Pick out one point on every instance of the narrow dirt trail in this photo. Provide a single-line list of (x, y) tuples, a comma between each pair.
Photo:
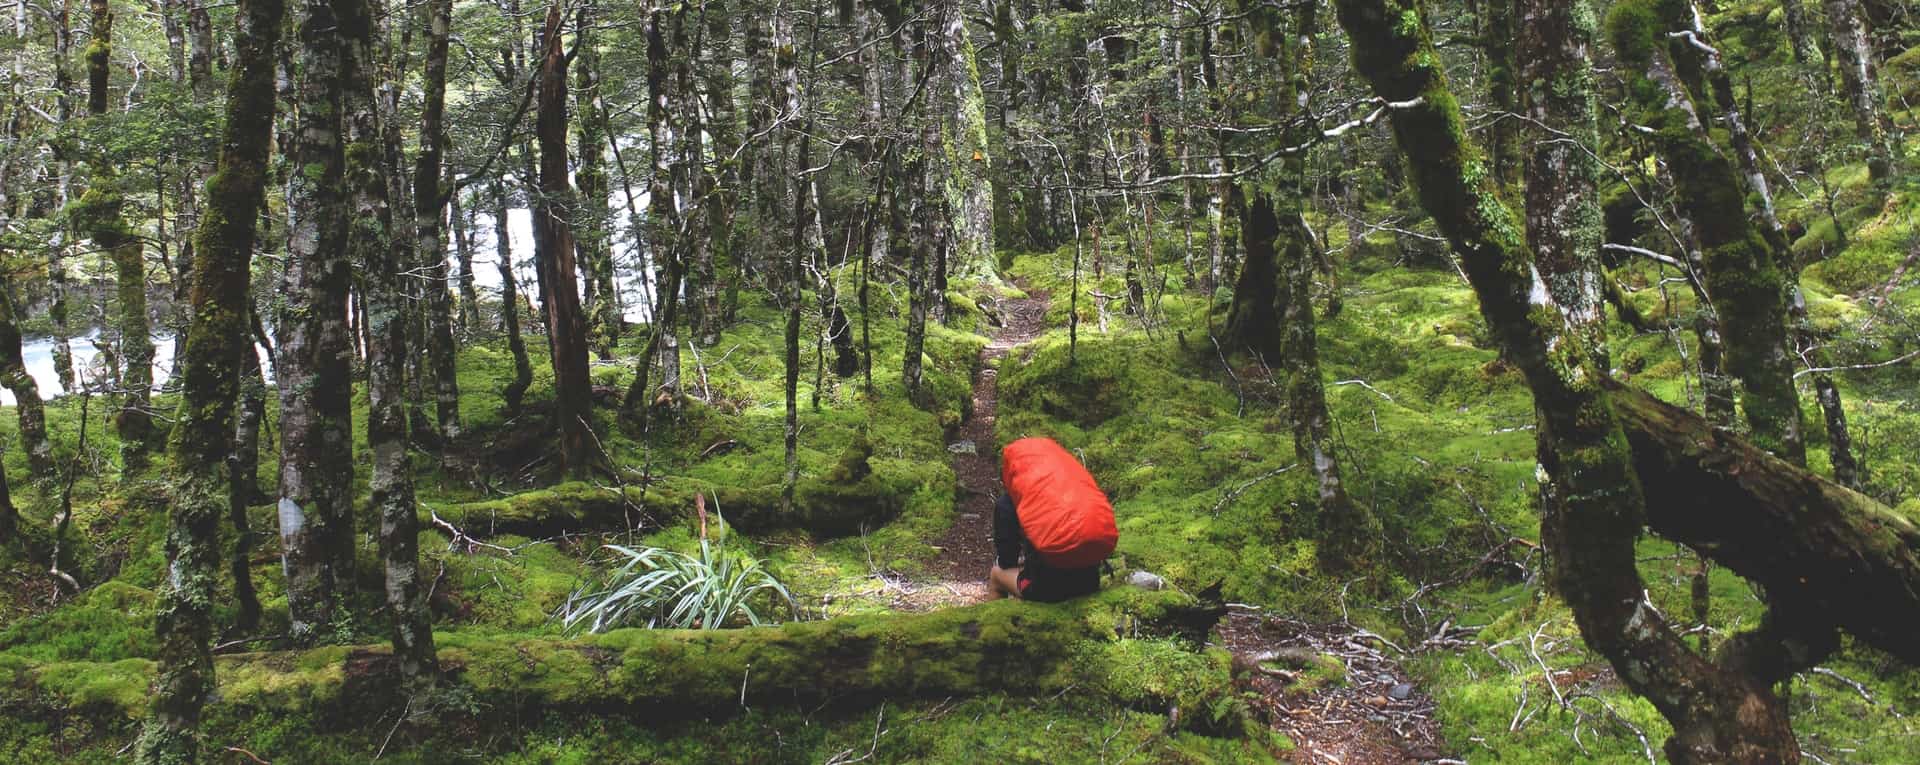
[(966, 549)]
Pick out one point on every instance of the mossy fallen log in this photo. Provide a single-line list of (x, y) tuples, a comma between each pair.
[(823, 508), (1127, 646), (1833, 554)]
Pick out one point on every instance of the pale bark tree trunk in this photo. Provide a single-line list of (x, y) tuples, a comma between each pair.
[(203, 436), (314, 366), (381, 259), (1860, 82), (553, 233), (1564, 226)]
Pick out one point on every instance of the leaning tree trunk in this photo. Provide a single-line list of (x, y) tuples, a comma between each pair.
[(381, 264), (101, 215), (203, 434), (26, 394), (560, 295), (314, 366), (1597, 507), (430, 193), (1860, 82)]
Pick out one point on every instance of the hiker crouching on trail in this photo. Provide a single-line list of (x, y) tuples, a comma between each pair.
[(1055, 514)]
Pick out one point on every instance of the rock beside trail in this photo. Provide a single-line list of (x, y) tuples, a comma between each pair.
[(963, 447), (1147, 581)]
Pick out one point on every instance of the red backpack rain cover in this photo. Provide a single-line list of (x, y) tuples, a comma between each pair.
[(1062, 511)]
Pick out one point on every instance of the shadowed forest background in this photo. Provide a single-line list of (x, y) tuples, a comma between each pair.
[(1473, 380)]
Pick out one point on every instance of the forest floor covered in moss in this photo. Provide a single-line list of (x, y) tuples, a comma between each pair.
[(1451, 649)]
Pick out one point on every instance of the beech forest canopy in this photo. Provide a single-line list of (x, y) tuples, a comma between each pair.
[(456, 380)]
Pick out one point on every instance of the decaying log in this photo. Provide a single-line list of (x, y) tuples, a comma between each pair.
[(1833, 553), (1010, 647)]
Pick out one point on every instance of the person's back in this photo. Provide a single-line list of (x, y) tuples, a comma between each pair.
[(1053, 528)]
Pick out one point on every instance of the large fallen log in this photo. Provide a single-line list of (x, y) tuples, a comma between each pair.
[(1005, 647), (822, 508), (1835, 555)]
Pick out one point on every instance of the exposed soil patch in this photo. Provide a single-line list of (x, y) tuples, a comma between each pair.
[(1369, 714), (966, 550)]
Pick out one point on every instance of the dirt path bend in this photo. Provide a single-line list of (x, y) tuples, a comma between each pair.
[(966, 550)]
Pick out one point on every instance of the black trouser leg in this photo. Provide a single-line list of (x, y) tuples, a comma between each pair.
[(1007, 537)]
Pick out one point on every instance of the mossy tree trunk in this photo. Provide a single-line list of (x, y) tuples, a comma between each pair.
[(430, 194), (1597, 508), (26, 393), (102, 217), (1860, 84), (203, 433), (1506, 148), (314, 365), (969, 182), (58, 249), (1744, 271), (596, 243), (388, 314), (553, 234), (1564, 226)]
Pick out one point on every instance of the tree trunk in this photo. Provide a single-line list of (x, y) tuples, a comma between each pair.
[(1564, 227), (1253, 318), (969, 184), (56, 255), (1597, 506), (596, 248), (314, 368), (244, 477), (1860, 82), (1743, 271), (516, 388), (381, 261), (1838, 557), (553, 235), (26, 394), (705, 313), (798, 146), (203, 435), (429, 204), (460, 219), (101, 216)]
